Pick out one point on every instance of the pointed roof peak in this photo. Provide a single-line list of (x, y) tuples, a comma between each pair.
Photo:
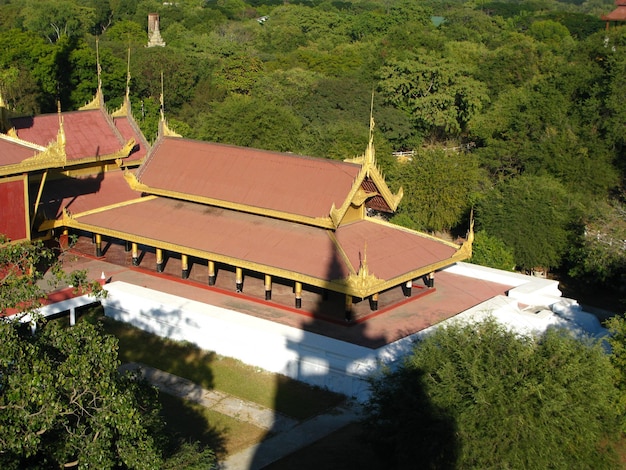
[(368, 159), (164, 129), (61, 134), (370, 153), (98, 100)]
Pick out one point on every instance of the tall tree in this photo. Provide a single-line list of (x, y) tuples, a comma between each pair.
[(481, 396), (439, 187), (62, 400), (617, 340), (532, 215), (438, 94), (246, 121), (54, 19)]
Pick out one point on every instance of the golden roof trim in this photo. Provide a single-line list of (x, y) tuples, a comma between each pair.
[(71, 222), (48, 157), (123, 110), (371, 170), (321, 222), (361, 283)]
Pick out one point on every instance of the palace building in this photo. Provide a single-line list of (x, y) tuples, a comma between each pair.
[(309, 223), (282, 261)]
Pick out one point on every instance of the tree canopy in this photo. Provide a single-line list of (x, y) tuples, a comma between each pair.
[(481, 396), (63, 401)]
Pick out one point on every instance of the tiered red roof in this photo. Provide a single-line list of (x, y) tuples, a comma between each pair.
[(13, 151), (619, 14), (89, 133), (255, 178)]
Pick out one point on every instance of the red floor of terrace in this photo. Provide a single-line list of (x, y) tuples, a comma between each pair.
[(397, 316)]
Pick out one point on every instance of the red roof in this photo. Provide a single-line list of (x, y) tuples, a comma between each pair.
[(129, 131), (12, 152), (83, 194), (619, 14), (275, 243), (88, 133), (258, 178), (391, 251)]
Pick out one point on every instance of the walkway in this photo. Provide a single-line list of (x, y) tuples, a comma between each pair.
[(291, 435)]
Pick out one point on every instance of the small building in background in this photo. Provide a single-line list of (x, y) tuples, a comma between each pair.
[(154, 33), (617, 15)]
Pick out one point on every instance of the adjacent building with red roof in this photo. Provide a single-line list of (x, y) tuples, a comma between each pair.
[(619, 14), (307, 222), (65, 149)]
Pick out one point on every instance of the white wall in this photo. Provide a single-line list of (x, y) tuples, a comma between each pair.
[(308, 357), (311, 358)]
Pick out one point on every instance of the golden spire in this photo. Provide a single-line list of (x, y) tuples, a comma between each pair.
[(128, 75), (363, 267), (99, 69), (370, 153), (4, 114), (124, 110), (164, 129), (98, 99), (161, 99), (61, 133)]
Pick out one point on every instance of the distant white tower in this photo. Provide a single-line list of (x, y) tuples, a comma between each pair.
[(154, 34)]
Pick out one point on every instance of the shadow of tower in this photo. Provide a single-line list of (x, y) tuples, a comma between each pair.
[(347, 446)]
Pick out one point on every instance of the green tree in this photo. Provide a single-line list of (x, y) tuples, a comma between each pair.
[(533, 215), (599, 257), (62, 400), (22, 269), (30, 55), (439, 187), (246, 121), (491, 252), (481, 396), (617, 340), (161, 68), (438, 94), (54, 19)]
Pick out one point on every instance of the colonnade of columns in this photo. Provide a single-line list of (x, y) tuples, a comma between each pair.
[(133, 248)]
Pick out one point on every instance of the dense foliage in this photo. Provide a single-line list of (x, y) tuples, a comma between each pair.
[(480, 396), (63, 401), (521, 93), (617, 340)]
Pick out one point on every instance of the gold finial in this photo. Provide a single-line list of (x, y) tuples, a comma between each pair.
[(372, 119), (4, 115), (61, 133), (363, 270), (128, 75), (99, 68), (161, 99), (370, 152)]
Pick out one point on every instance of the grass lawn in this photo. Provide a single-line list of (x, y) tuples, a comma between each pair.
[(191, 422), (292, 398)]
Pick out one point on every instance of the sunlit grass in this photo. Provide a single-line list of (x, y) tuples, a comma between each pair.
[(225, 374), (192, 422)]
